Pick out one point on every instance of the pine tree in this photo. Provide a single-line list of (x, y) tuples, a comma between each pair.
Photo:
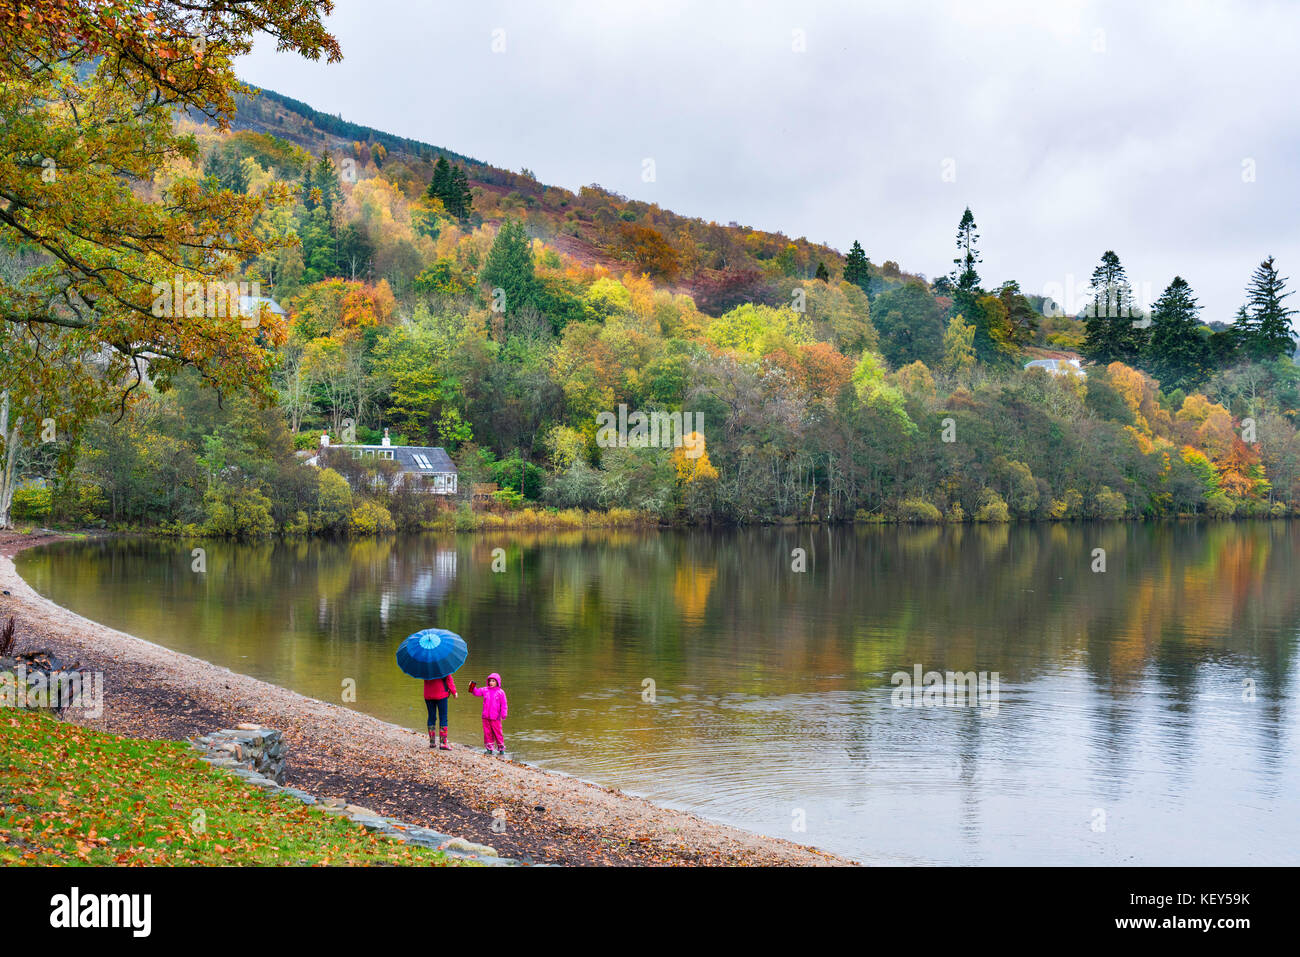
[(1176, 353), (966, 291), (964, 276), (1268, 333), (321, 186), (441, 178), (822, 273), (857, 267), (450, 184), (1111, 335), (509, 268), (459, 199)]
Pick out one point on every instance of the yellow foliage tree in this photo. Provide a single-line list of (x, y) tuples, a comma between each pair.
[(691, 459)]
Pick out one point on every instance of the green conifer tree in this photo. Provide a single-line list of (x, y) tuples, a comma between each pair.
[(508, 270), (1111, 334), (1268, 333), (857, 267), (1177, 352)]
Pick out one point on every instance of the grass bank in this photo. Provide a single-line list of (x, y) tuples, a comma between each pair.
[(70, 795)]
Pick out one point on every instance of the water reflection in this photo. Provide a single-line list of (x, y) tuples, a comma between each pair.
[(1146, 713)]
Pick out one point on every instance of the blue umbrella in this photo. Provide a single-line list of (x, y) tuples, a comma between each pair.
[(432, 653)]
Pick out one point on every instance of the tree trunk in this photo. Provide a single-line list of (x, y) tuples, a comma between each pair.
[(10, 437)]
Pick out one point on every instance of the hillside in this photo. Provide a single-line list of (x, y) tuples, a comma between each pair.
[(718, 265)]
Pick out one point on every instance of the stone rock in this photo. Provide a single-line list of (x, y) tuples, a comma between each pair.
[(462, 846)]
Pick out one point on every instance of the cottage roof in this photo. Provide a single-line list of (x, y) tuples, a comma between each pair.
[(426, 459)]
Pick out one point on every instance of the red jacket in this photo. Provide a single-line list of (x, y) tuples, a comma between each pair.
[(436, 689)]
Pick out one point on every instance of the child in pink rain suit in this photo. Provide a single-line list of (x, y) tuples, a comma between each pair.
[(495, 708)]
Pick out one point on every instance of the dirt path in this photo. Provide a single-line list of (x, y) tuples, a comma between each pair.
[(154, 692)]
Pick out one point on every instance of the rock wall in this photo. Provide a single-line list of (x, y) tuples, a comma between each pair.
[(248, 746)]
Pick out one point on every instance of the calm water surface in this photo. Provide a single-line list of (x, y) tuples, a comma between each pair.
[(1145, 715)]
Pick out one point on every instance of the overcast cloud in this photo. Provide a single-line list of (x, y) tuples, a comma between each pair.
[(1073, 127)]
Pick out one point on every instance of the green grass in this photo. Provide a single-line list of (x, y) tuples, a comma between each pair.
[(70, 795)]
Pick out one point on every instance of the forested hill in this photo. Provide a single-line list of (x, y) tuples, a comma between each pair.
[(719, 266)]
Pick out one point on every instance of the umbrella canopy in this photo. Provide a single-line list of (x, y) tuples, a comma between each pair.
[(432, 653)]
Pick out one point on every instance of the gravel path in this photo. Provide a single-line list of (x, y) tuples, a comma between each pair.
[(154, 692)]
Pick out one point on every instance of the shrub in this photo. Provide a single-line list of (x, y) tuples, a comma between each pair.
[(32, 502), (464, 518), (956, 514), (1109, 504), (992, 508), (371, 518), (333, 502), (237, 512), (509, 497), (1070, 505), (918, 510), (1219, 505), (1255, 508)]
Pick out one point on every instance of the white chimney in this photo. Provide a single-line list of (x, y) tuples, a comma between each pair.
[(386, 441), (324, 440)]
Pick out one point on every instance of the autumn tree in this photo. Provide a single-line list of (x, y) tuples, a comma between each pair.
[(1022, 317), (648, 250), (93, 186), (958, 346)]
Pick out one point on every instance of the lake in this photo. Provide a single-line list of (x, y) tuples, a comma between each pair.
[(1144, 714)]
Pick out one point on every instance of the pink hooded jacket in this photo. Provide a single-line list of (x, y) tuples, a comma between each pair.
[(495, 706)]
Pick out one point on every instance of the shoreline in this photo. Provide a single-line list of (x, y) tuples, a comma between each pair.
[(151, 691)]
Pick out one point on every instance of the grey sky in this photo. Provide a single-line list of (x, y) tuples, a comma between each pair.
[(1073, 127)]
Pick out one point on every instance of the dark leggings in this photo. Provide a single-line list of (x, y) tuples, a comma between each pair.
[(437, 709)]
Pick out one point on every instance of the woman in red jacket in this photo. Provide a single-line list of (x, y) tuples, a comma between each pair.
[(436, 693)]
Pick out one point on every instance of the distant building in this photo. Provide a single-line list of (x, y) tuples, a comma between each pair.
[(422, 467), (1058, 366)]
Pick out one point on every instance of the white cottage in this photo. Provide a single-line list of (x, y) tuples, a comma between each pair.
[(423, 467)]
